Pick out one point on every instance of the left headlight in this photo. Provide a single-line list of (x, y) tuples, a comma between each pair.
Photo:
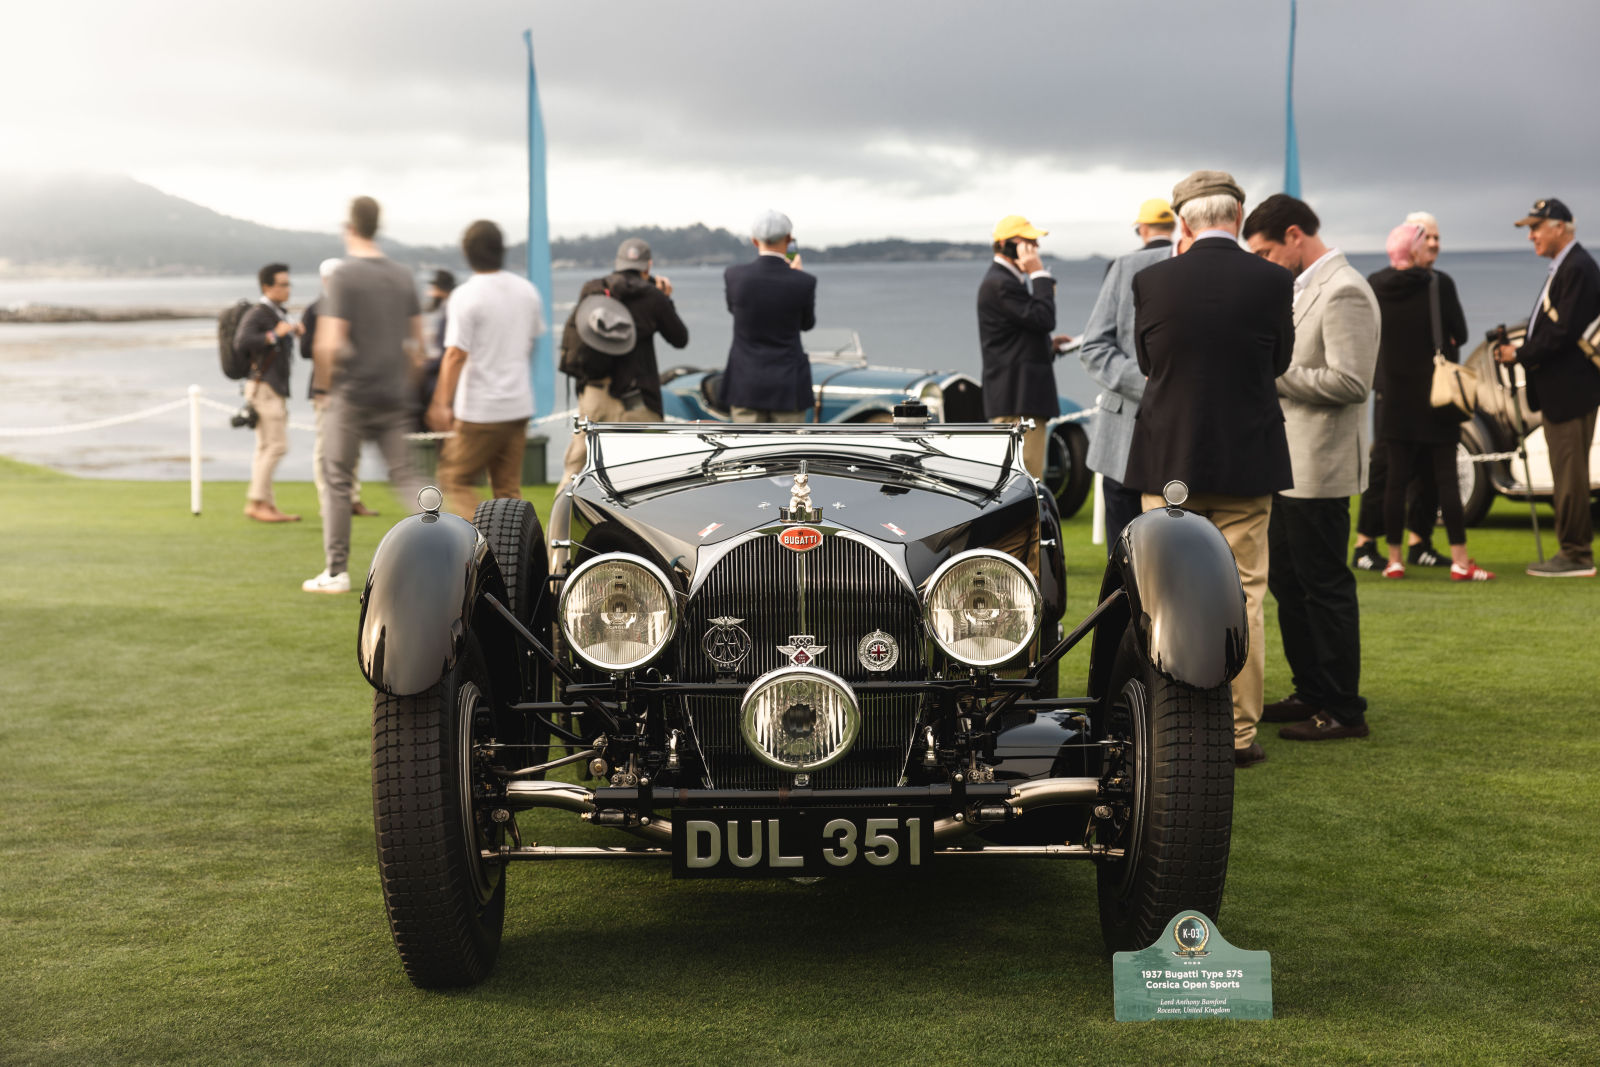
[(618, 612), (982, 607)]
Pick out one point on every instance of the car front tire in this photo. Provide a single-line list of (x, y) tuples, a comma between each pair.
[(1176, 819), (446, 904)]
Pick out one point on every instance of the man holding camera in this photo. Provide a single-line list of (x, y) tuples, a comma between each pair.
[(266, 334), (629, 389), (773, 301), (1562, 383), (1016, 316)]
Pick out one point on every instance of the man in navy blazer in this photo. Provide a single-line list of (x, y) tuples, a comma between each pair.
[(773, 300), (1213, 329), (1016, 317), (1563, 384)]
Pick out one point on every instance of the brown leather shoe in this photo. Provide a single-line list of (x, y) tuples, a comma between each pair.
[(267, 513), (361, 511), (1322, 727), (1290, 709), (1250, 755)]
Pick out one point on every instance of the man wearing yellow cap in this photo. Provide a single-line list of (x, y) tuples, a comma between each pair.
[(1016, 314), (1155, 223)]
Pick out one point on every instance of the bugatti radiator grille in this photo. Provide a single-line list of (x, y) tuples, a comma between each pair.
[(838, 592)]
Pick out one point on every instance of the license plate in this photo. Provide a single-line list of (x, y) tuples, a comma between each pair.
[(799, 842)]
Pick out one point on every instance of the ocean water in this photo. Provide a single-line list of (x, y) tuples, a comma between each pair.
[(918, 315)]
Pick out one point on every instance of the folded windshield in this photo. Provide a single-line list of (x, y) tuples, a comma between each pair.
[(631, 458)]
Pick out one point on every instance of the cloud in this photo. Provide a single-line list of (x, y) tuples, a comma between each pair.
[(927, 115)]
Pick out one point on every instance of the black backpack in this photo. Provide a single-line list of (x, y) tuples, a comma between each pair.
[(235, 364)]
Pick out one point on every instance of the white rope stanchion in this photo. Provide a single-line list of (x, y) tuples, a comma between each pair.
[(1097, 527)]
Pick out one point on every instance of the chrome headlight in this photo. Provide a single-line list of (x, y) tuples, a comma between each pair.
[(932, 395), (982, 607), (799, 718), (618, 612)]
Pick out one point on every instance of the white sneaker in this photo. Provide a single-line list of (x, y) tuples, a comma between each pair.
[(327, 583)]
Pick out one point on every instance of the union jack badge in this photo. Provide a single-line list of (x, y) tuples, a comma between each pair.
[(878, 651)]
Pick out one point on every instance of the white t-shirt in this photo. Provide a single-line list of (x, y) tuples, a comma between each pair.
[(495, 319)]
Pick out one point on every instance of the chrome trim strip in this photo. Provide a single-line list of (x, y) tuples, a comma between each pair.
[(618, 852)]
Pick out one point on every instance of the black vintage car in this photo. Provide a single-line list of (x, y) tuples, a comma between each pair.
[(778, 651)]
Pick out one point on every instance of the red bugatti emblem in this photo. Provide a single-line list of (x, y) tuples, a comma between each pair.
[(800, 538)]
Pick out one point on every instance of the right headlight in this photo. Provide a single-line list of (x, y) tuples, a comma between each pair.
[(617, 612), (982, 607)]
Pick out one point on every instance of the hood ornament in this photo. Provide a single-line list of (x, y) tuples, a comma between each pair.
[(800, 509)]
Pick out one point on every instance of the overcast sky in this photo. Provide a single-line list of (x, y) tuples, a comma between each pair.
[(860, 119)]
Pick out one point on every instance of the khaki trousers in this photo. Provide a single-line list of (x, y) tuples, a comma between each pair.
[(1033, 442), (597, 404), (272, 438), (495, 447), (319, 404), (1243, 521)]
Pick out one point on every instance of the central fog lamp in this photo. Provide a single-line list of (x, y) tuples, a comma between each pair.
[(799, 718)]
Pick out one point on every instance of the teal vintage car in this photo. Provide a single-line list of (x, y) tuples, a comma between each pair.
[(847, 389)]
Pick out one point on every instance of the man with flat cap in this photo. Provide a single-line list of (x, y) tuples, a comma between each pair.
[(624, 383), (1016, 317), (1213, 329), (773, 300), (1562, 383), (1107, 355)]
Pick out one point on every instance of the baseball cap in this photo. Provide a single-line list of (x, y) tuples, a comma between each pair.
[(1546, 209), (1154, 212), (633, 254), (1013, 226), (771, 225)]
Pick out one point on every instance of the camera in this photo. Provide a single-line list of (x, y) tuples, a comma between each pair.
[(245, 416), (1498, 336)]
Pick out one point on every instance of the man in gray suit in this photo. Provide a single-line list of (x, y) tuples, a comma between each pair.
[(1108, 356), (1324, 399)]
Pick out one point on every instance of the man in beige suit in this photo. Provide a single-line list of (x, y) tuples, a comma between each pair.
[(1324, 399)]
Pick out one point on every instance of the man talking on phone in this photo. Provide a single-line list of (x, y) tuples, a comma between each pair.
[(1016, 315)]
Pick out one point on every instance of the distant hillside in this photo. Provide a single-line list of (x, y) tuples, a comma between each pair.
[(114, 225), (94, 225)]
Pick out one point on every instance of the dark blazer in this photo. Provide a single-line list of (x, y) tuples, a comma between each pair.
[(1213, 329), (1014, 329), (653, 311), (270, 361), (1403, 385), (1562, 382), (771, 303)]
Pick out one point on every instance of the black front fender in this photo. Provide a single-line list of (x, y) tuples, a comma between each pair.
[(425, 576), (1185, 604)]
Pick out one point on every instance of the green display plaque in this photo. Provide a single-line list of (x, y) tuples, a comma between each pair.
[(1191, 972)]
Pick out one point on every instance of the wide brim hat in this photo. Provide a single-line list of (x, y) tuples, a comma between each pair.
[(606, 325)]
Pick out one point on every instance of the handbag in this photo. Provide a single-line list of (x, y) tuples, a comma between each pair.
[(1453, 385)]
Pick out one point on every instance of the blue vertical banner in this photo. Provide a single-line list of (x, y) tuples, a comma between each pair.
[(544, 362), (1291, 144)]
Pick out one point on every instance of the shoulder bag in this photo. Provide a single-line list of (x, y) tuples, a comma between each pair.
[(1453, 385)]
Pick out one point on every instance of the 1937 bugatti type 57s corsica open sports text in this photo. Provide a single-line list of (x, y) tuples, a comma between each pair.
[(778, 651)]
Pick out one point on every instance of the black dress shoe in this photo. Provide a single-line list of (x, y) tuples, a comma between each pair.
[(1250, 755), (1290, 709), (1320, 727)]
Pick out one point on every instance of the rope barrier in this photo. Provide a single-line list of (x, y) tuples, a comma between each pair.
[(98, 424)]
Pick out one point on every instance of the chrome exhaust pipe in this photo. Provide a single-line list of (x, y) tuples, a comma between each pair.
[(1026, 797), (569, 796)]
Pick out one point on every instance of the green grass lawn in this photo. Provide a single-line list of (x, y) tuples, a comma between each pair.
[(187, 868)]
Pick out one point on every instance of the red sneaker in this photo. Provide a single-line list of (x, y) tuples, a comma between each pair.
[(1395, 570), (1470, 573)]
